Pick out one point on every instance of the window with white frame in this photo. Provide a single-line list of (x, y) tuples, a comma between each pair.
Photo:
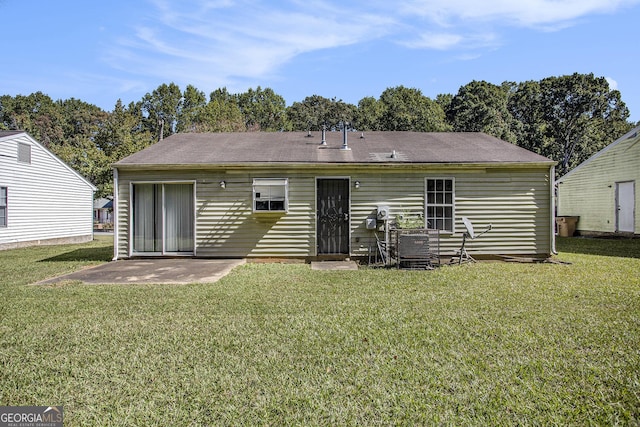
[(270, 194), (3, 206), (440, 205), (24, 153)]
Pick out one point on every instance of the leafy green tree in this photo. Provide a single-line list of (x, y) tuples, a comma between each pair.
[(190, 117), (482, 107), (81, 124), (68, 128), (343, 113), (81, 153), (36, 114), (81, 118), (571, 118), (121, 135), (444, 101), (222, 113), (263, 110), (223, 94), (528, 126), (162, 108), (407, 109), (306, 116), (368, 114), (315, 111)]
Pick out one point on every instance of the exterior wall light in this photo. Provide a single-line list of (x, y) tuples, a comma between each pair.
[(223, 185), (357, 184)]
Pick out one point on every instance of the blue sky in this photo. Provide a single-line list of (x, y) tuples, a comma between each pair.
[(100, 52)]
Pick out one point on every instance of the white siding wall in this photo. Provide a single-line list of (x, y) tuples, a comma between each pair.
[(515, 201), (590, 192), (46, 200)]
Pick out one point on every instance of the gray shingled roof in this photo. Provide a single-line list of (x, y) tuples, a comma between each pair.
[(102, 203), (298, 147), (5, 133)]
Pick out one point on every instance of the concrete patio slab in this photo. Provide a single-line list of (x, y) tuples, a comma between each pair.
[(156, 271)]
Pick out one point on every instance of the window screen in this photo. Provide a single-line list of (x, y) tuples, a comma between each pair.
[(3, 206), (270, 194), (440, 203)]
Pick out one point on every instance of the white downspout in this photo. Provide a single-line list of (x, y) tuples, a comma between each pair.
[(552, 180), (115, 214), (93, 232)]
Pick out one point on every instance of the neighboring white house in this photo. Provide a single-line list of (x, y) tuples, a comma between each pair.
[(102, 211), (42, 199), (603, 190)]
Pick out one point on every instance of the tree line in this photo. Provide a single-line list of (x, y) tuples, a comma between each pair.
[(566, 118)]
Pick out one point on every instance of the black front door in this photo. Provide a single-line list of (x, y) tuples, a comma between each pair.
[(333, 216)]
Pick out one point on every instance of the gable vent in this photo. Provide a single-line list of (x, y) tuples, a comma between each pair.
[(24, 153)]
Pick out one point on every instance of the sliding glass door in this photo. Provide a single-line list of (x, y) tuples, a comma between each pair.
[(163, 218), (147, 218), (178, 217)]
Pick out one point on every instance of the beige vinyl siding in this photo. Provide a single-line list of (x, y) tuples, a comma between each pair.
[(403, 192), (226, 225), (515, 201), (47, 201), (516, 204), (590, 191), (122, 220)]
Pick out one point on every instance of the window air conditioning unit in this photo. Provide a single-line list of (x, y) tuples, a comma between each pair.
[(383, 213)]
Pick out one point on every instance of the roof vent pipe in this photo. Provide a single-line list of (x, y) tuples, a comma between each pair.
[(345, 145), (309, 133), (324, 135), (394, 155)]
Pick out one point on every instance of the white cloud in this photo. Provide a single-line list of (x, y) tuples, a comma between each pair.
[(438, 41), (529, 13), (217, 42), (448, 41), (613, 85), (232, 42)]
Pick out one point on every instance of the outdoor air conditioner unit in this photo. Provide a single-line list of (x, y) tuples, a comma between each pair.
[(383, 213)]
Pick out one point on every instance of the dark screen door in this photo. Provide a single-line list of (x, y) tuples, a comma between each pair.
[(333, 216)]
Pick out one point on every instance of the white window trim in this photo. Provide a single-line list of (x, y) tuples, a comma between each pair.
[(453, 202), (130, 251), (270, 181), (6, 207)]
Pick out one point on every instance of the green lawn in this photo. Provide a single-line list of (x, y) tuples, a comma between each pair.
[(279, 344)]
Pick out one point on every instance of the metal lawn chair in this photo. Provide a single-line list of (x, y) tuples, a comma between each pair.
[(463, 255)]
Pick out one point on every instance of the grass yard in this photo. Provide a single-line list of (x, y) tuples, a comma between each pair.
[(279, 344)]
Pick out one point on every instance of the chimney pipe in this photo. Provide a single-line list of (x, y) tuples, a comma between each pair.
[(324, 135), (345, 145)]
